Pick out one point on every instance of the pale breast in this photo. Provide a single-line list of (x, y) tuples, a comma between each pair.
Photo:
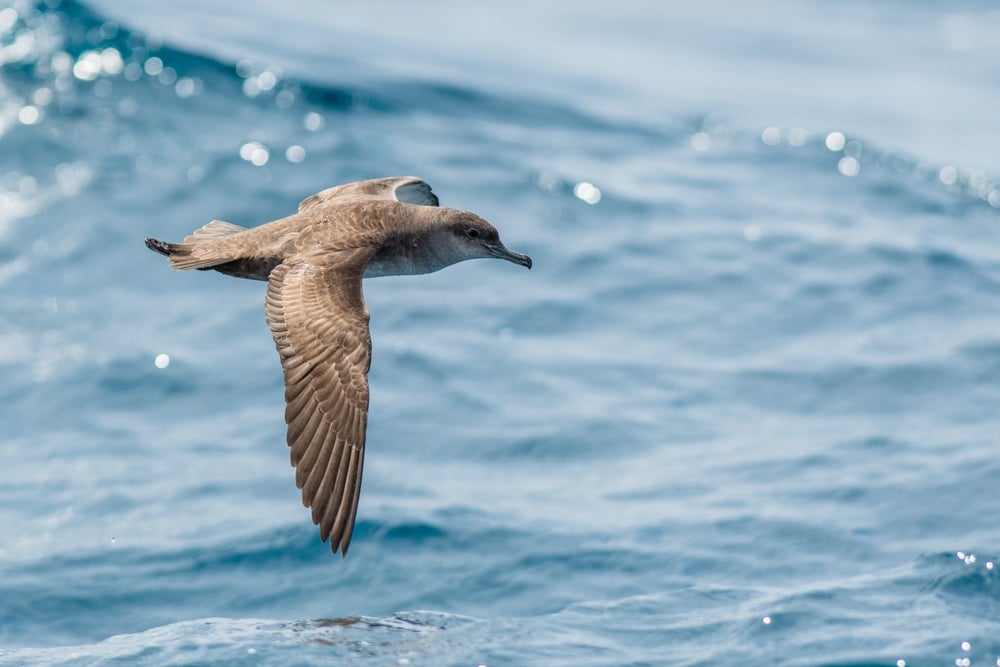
[(404, 256)]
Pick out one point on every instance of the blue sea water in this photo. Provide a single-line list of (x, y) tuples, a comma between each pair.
[(745, 409)]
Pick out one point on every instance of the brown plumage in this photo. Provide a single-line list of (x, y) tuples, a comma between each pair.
[(314, 262)]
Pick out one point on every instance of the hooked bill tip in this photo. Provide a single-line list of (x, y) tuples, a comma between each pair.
[(500, 252), (517, 258)]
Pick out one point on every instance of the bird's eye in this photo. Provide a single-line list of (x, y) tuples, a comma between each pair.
[(472, 233)]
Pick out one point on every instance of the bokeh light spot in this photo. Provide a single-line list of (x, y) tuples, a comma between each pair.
[(588, 192), (835, 141), (153, 66), (187, 86), (771, 136), (42, 97), (255, 153), (313, 121), (28, 115), (701, 141), (849, 166), (948, 175), (8, 17), (797, 137)]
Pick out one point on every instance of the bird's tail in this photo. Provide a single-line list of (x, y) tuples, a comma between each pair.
[(161, 247), (199, 250)]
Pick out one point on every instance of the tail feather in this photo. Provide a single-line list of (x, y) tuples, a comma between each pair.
[(196, 250), (214, 230), (161, 247)]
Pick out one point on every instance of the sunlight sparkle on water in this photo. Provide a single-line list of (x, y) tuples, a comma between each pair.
[(187, 86), (797, 137), (771, 136), (948, 175), (132, 72), (167, 76), (28, 115), (8, 17), (588, 192), (835, 141), (111, 61), (254, 153), (267, 80), (153, 66), (88, 66), (244, 68), (42, 97), (93, 63), (313, 121), (968, 559), (849, 166), (701, 141)]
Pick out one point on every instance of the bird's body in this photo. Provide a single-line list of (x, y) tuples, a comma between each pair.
[(314, 262)]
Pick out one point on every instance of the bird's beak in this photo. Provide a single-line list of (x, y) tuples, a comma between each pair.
[(500, 252)]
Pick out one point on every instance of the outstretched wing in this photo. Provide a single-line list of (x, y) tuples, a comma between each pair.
[(408, 189), (316, 312)]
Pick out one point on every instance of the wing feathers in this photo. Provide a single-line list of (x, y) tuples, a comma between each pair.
[(320, 325), (406, 189), (343, 491)]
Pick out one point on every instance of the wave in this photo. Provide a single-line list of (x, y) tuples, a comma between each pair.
[(766, 625), (220, 641), (69, 43)]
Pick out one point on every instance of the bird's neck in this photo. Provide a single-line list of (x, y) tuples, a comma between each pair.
[(406, 254)]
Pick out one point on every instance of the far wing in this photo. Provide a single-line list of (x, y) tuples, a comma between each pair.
[(408, 189)]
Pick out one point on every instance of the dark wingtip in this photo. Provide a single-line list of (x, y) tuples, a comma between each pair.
[(159, 246)]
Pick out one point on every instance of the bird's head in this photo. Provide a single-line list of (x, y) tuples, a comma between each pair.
[(467, 236)]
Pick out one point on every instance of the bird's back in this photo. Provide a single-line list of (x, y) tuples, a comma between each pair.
[(253, 253)]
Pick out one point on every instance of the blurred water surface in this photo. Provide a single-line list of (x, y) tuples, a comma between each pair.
[(743, 409)]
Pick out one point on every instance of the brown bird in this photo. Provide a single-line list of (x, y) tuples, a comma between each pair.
[(314, 261)]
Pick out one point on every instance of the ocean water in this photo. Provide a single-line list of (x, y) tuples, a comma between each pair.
[(745, 409)]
